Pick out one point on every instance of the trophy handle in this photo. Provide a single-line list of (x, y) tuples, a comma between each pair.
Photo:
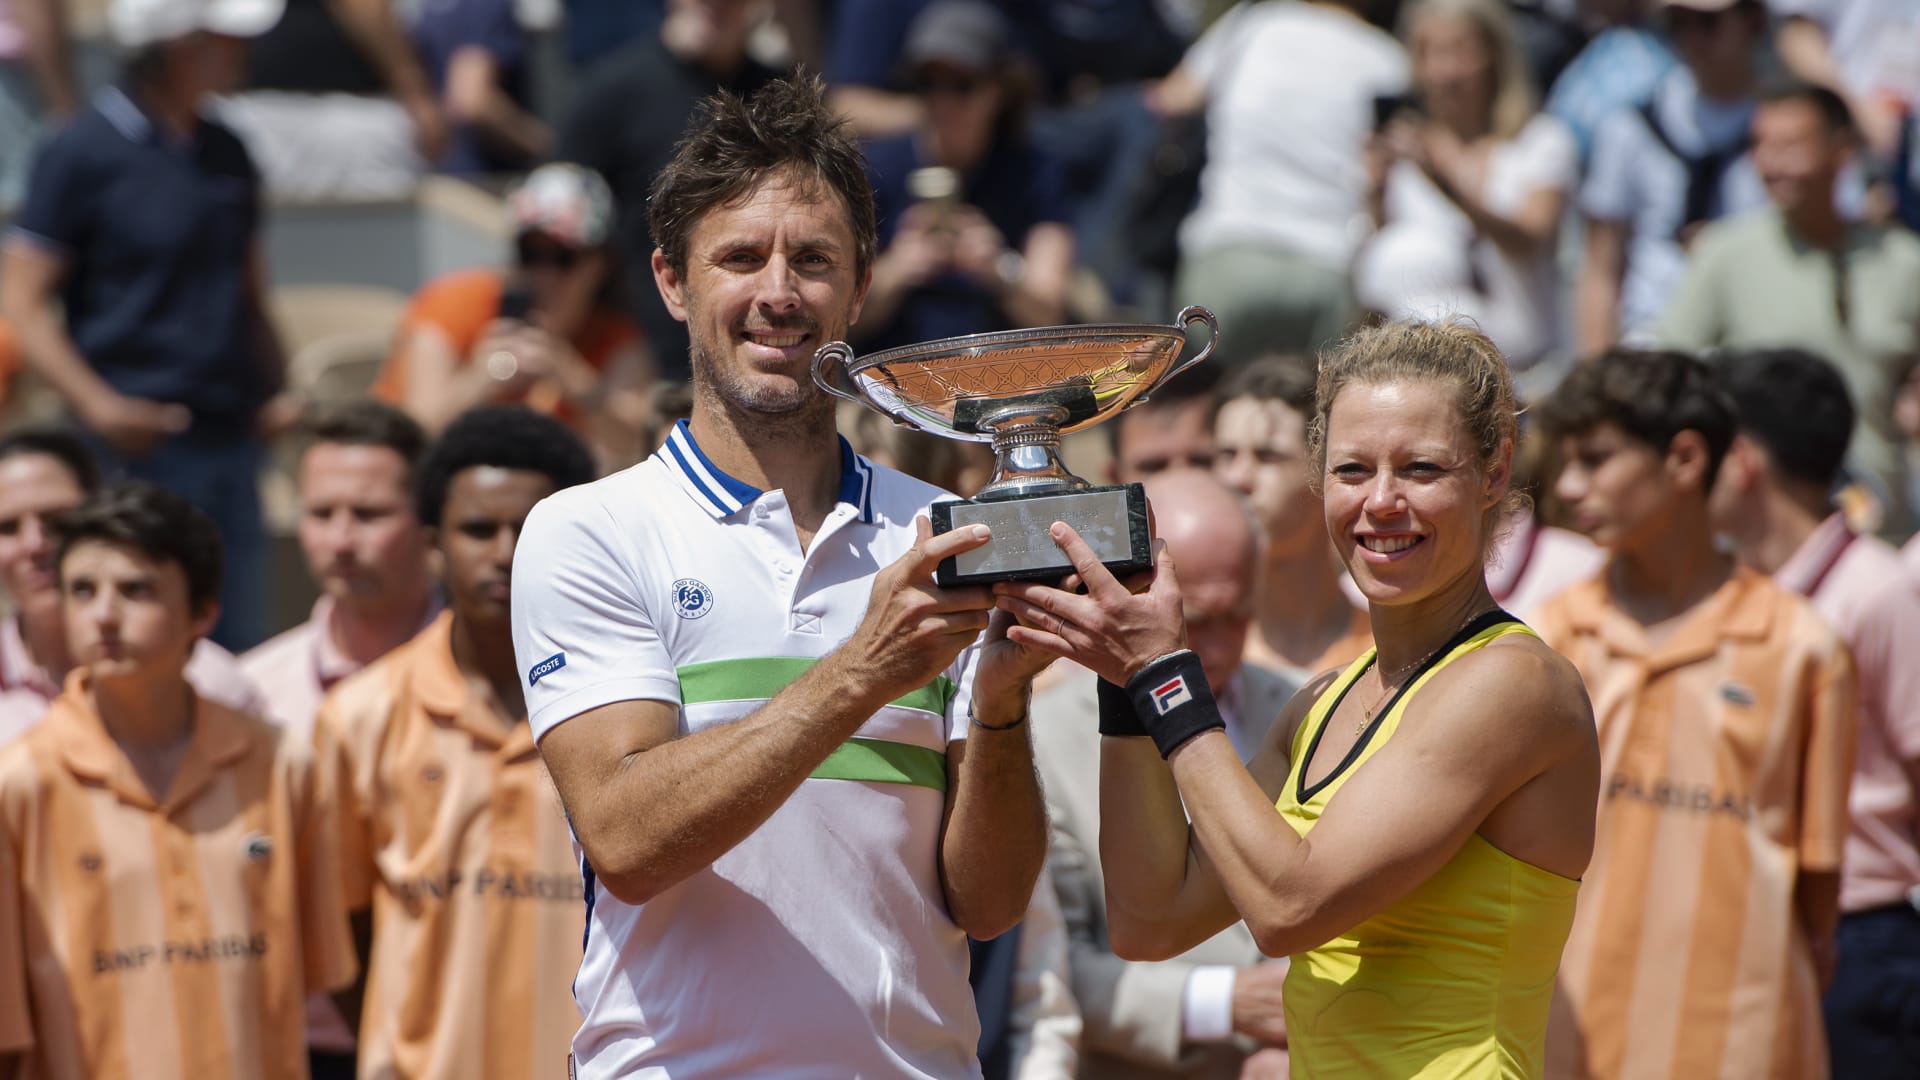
[(830, 372), (1192, 313)]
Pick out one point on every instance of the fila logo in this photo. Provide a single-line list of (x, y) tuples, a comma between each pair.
[(1170, 695), (546, 667)]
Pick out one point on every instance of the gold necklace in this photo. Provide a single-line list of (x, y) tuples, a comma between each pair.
[(1386, 692)]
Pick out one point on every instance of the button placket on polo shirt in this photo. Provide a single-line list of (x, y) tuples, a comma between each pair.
[(804, 621), (779, 541)]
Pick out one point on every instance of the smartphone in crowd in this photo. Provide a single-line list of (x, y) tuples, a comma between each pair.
[(1388, 107), (516, 302)]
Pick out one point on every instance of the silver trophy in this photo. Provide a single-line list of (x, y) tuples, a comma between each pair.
[(1021, 390)]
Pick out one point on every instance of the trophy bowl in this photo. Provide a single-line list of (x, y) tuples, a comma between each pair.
[(1021, 390)]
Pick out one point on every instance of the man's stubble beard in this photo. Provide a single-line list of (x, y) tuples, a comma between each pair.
[(799, 409)]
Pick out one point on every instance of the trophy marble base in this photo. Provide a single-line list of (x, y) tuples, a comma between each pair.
[(1112, 520)]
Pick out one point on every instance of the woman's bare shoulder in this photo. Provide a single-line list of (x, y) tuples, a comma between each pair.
[(1515, 682)]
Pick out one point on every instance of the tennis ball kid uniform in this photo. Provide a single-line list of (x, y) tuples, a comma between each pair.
[(172, 937), (1726, 751), (820, 946), (452, 837)]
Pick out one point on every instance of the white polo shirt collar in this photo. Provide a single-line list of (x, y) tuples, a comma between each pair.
[(722, 495)]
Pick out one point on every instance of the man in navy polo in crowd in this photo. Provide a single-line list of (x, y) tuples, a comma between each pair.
[(140, 223)]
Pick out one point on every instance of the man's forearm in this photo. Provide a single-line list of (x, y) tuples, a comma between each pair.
[(45, 26), (1598, 315), (508, 123), (874, 113), (270, 356), (47, 350), (668, 812), (373, 27), (1816, 898), (996, 833), (1597, 290)]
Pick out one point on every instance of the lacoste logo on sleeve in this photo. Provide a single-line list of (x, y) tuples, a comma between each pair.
[(546, 667), (1171, 694)]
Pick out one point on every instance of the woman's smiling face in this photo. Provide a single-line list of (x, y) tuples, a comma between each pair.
[(1406, 493)]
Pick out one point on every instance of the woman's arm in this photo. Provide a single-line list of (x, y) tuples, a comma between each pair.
[(1597, 291), (1481, 729), (1528, 233), (1163, 896), (1525, 234)]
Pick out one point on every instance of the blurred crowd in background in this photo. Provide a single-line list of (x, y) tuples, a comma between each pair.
[(1579, 178), (1568, 175)]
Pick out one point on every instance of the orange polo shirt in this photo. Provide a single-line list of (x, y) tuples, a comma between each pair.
[(1726, 753), (453, 833), (164, 939)]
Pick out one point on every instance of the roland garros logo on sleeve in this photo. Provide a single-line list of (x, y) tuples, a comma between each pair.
[(1170, 695)]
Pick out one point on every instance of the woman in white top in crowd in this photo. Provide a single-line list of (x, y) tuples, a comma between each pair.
[(1469, 182), (1287, 87)]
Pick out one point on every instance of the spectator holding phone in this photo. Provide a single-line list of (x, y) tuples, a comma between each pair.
[(972, 215), (547, 331), (1468, 183)]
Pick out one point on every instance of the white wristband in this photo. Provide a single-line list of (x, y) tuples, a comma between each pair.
[(1206, 1004)]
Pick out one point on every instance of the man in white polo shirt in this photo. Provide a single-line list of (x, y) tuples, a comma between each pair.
[(797, 773)]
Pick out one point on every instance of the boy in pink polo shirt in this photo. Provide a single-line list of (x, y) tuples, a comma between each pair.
[(1771, 499)]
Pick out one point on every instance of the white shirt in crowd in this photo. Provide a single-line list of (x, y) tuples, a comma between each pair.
[(1423, 262), (1290, 91)]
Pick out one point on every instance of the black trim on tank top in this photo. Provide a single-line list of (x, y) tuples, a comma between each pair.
[(1480, 624)]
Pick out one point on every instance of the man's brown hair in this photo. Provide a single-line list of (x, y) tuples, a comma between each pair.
[(735, 145)]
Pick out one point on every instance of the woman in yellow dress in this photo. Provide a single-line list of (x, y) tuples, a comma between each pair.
[(1413, 830)]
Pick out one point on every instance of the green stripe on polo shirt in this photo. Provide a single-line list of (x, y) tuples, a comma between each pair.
[(881, 762), (759, 678)]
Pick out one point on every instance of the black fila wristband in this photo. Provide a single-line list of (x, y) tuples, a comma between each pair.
[(1117, 715), (1173, 701)]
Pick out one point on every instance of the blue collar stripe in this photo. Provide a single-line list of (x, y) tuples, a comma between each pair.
[(734, 494), (722, 494), (856, 481), (696, 487)]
